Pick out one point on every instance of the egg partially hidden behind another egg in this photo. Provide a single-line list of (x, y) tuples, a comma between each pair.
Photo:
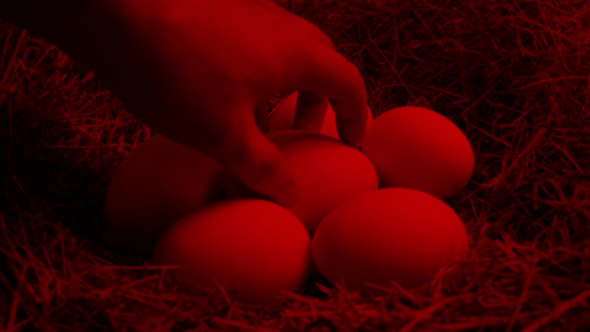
[(326, 171), (159, 182), (253, 248), (283, 117), (396, 234), (417, 148)]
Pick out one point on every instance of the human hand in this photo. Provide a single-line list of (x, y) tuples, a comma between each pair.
[(199, 72)]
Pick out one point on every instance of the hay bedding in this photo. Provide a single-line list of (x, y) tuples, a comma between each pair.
[(514, 75)]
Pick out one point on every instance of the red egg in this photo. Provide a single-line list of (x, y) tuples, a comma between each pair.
[(395, 234), (253, 248), (156, 184), (414, 147), (327, 172)]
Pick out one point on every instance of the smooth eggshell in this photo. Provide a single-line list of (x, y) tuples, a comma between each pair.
[(327, 172), (253, 248), (283, 117), (395, 234), (157, 183), (417, 148)]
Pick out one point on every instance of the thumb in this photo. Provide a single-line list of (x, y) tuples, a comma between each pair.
[(248, 155)]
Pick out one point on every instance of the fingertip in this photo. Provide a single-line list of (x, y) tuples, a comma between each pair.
[(276, 183), (351, 122), (259, 165)]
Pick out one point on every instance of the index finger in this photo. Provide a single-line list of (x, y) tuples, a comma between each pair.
[(331, 75)]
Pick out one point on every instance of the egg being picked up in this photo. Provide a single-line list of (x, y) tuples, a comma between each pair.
[(253, 248), (326, 171), (283, 117), (417, 148), (392, 234), (157, 183)]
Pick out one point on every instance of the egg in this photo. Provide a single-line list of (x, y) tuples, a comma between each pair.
[(253, 248), (417, 148), (326, 171), (283, 117), (157, 183), (388, 234)]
